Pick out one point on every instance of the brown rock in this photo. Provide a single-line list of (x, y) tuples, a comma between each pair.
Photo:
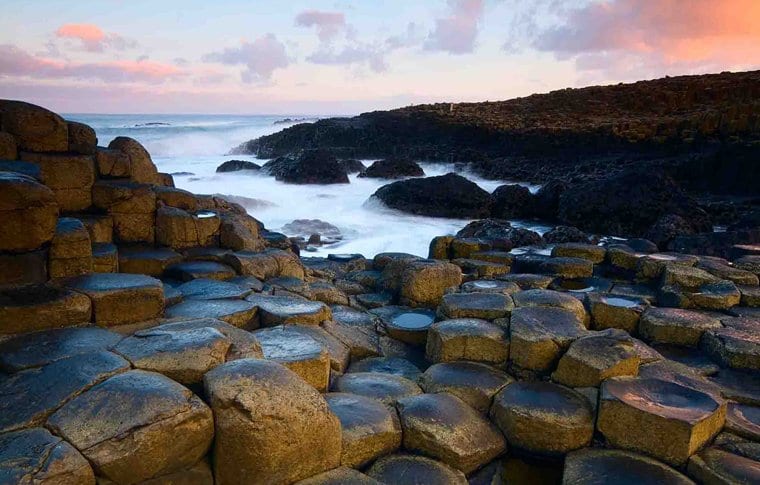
[(588, 466), (112, 163), (23, 269), (594, 358), (270, 425), (8, 149), (717, 467), (29, 212), (539, 336), (474, 383), (467, 339), (33, 127), (340, 476), (82, 138), (42, 307), (423, 283), (69, 176), (142, 169), (676, 326), (70, 250), (119, 298), (403, 469), (386, 388), (298, 352)]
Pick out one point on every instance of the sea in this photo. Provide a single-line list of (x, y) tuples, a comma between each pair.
[(192, 146)]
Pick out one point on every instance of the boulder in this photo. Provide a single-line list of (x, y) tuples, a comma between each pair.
[(132, 207), (447, 195), (271, 426), (615, 311), (112, 163), (136, 426), (392, 168), (70, 250), (239, 233), (512, 202), (146, 260), (676, 326), (82, 138), (467, 339), (401, 469), (29, 213), (352, 166), (369, 429), (565, 234), (299, 352), (444, 427), (236, 166), (588, 466), (277, 310), (121, 298), (596, 357), (42, 307), (33, 127), (547, 199), (500, 234), (539, 335), (716, 466), (309, 167), (485, 306), (543, 418), (239, 313), (36, 456), (667, 228), (662, 419), (474, 383), (396, 366), (385, 388), (8, 147), (423, 283), (141, 167), (628, 204)]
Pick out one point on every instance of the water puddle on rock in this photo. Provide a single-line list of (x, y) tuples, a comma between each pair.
[(412, 321)]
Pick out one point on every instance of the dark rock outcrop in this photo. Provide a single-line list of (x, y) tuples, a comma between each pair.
[(352, 166), (449, 195), (492, 230), (512, 201), (309, 167), (628, 204), (236, 166), (393, 168)]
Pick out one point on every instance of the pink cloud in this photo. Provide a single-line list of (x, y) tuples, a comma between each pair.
[(19, 63), (620, 35), (457, 32), (262, 58), (93, 38), (328, 24)]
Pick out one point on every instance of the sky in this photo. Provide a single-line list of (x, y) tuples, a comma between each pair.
[(345, 57)]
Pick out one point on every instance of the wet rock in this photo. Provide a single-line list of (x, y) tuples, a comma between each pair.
[(726, 272), (615, 466), (651, 266), (387, 365), (404, 469), (591, 252), (340, 476), (30, 396), (352, 166), (42, 307), (489, 286), (738, 385), (737, 345), (594, 358), (750, 296), (268, 264), (276, 310), (309, 167), (467, 339), (385, 388), (566, 234), (543, 418), (720, 295), (500, 234), (36, 456), (423, 283), (239, 313), (527, 281), (464, 247), (105, 258), (440, 247), (566, 267), (667, 228), (743, 420), (132, 207), (480, 269), (393, 168), (236, 166), (136, 425), (121, 298), (239, 233), (356, 330), (512, 202), (691, 357), (147, 260), (299, 352), (141, 167), (369, 429), (444, 427), (474, 383), (265, 415), (41, 348), (613, 311), (485, 306), (184, 356), (29, 212), (738, 445), (717, 466), (112, 163), (539, 336), (499, 257), (405, 324), (191, 270), (308, 227), (33, 127), (676, 326), (447, 195), (659, 418), (209, 289), (70, 250)]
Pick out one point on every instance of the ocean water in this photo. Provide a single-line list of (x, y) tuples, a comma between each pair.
[(197, 144)]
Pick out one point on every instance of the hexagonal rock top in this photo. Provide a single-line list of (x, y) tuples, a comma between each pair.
[(29, 212), (472, 382), (486, 306), (596, 357), (467, 339), (35, 456), (539, 335), (119, 298), (297, 351), (551, 298), (41, 307), (369, 429), (386, 388), (543, 418), (714, 465), (136, 425), (396, 366), (659, 418), (444, 427), (402, 469), (676, 326), (277, 310), (271, 426), (590, 466)]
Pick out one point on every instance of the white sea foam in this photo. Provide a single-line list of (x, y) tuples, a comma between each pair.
[(197, 144)]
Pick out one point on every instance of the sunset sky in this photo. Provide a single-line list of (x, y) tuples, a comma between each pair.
[(343, 57)]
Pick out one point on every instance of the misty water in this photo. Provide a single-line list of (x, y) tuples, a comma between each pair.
[(197, 144)]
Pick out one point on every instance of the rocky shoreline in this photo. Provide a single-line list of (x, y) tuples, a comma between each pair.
[(151, 335)]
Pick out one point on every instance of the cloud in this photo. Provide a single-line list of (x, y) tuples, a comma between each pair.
[(457, 32), (641, 36), (351, 54), (93, 38), (15, 62), (261, 57), (328, 24)]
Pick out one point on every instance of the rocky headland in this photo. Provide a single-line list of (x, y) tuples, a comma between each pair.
[(151, 335)]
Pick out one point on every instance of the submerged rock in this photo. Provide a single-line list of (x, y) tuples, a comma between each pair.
[(393, 168), (236, 166), (309, 167)]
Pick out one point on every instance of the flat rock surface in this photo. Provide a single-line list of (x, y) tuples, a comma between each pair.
[(404, 469), (591, 466), (474, 383), (208, 289), (276, 310), (387, 365), (486, 306), (239, 313), (386, 388)]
